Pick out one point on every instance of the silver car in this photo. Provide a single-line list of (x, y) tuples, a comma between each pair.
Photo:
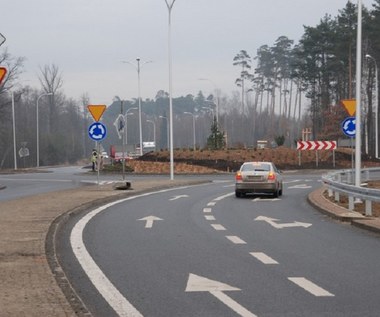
[(258, 177)]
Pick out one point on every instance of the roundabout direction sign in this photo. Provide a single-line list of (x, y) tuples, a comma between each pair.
[(349, 126), (97, 131)]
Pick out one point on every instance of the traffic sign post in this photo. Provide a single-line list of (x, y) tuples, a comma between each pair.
[(350, 106), (3, 73), (2, 39), (97, 131), (349, 126), (96, 111), (316, 145), (349, 129)]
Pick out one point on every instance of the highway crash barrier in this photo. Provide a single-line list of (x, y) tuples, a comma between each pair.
[(342, 183)]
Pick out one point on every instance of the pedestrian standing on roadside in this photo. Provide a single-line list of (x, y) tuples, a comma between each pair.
[(94, 158)]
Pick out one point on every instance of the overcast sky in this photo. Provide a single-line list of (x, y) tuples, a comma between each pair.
[(89, 39)]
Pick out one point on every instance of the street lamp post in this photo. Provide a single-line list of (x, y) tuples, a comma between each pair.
[(170, 7), (138, 68), (154, 132), (377, 107), (126, 123), (194, 143), (38, 134), (358, 96), (167, 129), (14, 130)]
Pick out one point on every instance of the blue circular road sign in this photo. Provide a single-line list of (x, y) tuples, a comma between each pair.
[(97, 131), (349, 126)]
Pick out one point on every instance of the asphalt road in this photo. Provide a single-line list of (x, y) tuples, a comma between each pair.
[(199, 251), (46, 180)]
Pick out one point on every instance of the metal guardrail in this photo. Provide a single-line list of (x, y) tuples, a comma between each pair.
[(342, 182)]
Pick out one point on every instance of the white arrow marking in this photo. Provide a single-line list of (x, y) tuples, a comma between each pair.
[(149, 221), (197, 283), (272, 222), (178, 197)]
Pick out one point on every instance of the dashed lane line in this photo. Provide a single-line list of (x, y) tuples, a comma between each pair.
[(209, 217), (236, 240), (262, 257), (310, 286), (218, 227)]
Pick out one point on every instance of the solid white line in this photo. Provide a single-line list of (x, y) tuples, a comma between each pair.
[(207, 209), (104, 286), (263, 258), (110, 293), (209, 217), (310, 286), (217, 227), (236, 240)]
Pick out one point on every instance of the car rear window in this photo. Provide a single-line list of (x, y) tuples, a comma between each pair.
[(256, 167)]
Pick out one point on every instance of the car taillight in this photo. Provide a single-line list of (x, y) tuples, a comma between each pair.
[(271, 176), (238, 176)]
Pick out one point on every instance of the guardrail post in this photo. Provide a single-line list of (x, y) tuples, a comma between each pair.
[(368, 208), (350, 203), (337, 198), (330, 192), (349, 177), (366, 175)]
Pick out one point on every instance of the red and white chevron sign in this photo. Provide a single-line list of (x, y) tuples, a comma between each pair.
[(316, 145)]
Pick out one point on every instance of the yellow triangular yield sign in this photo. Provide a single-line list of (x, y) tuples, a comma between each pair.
[(350, 105), (96, 111)]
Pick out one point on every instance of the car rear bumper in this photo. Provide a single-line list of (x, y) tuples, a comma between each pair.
[(255, 187)]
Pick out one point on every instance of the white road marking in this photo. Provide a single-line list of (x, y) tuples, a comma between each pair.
[(310, 286), (209, 217), (149, 221), (272, 222), (266, 199), (212, 203), (224, 196), (262, 257), (110, 293), (207, 209), (217, 227), (301, 186), (197, 283), (236, 240), (178, 197), (293, 181)]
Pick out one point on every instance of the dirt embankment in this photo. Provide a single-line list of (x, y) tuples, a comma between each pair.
[(187, 160)]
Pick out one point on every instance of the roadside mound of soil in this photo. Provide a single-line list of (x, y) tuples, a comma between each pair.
[(230, 160)]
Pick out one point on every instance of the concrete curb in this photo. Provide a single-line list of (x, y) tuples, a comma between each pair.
[(317, 200)]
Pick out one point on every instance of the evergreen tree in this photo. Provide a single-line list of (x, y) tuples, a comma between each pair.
[(216, 139)]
